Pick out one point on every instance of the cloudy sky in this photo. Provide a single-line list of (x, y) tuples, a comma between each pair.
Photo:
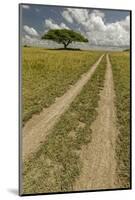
[(101, 27)]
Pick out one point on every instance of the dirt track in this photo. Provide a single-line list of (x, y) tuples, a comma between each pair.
[(37, 128), (98, 157)]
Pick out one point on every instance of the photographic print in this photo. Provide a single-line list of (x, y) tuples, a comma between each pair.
[(75, 99)]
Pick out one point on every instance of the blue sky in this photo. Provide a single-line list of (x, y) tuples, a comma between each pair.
[(101, 27)]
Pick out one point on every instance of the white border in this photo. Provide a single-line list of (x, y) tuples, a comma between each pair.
[(9, 98)]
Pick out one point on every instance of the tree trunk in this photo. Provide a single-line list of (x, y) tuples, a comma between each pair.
[(65, 46)]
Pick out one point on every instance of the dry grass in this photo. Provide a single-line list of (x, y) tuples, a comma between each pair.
[(121, 74), (48, 74), (55, 167)]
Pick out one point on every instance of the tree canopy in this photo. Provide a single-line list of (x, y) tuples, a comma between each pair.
[(64, 36)]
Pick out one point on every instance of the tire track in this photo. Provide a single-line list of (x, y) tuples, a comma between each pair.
[(98, 157), (37, 128)]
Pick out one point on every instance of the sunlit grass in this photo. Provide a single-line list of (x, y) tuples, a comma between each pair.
[(121, 75), (47, 74), (56, 166)]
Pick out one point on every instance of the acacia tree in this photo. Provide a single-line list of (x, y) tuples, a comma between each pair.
[(64, 36)]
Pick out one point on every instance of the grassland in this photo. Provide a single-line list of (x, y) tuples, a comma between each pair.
[(121, 75), (57, 164), (47, 74)]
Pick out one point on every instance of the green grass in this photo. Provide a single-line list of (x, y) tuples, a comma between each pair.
[(56, 166), (47, 74), (121, 75)]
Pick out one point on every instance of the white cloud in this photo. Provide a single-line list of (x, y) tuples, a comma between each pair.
[(30, 30), (62, 25), (117, 33), (126, 23), (27, 37), (98, 13), (78, 15), (93, 25), (30, 41), (49, 24), (26, 6), (67, 16)]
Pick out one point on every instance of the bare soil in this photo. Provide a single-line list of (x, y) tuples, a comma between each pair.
[(98, 157), (39, 126)]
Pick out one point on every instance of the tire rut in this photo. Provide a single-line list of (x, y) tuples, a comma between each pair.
[(39, 126), (98, 157)]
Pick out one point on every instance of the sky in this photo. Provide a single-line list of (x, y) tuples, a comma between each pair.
[(101, 27)]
